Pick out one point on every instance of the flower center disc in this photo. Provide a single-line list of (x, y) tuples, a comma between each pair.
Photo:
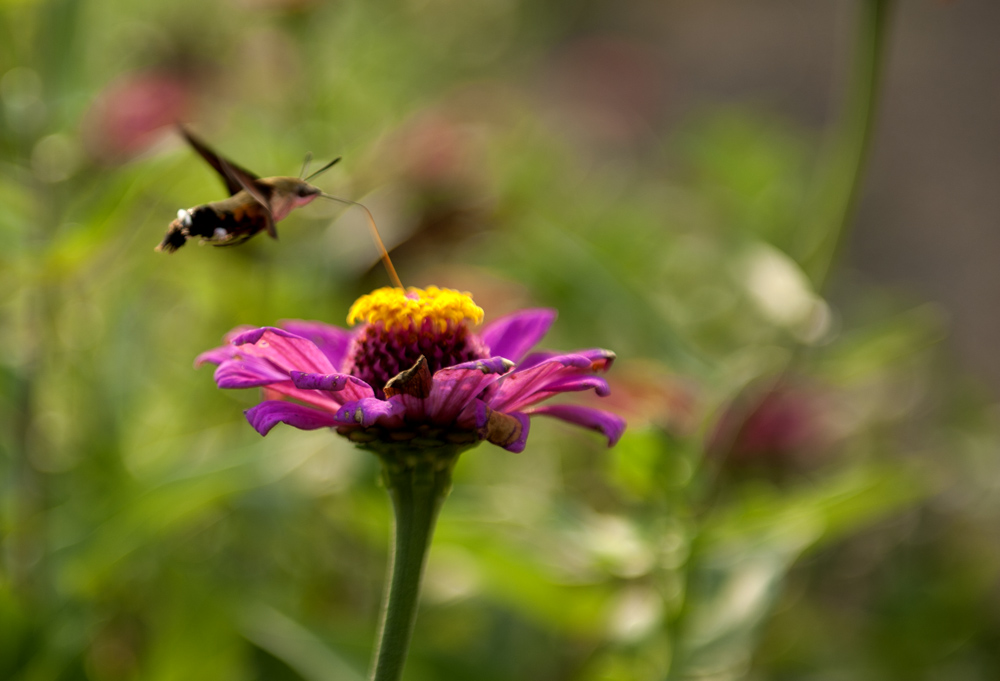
[(400, 326)]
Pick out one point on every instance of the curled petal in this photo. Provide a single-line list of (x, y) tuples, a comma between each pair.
[(249, 372), (215, 356), (332, 341), (347, 388), (493, 365), (227, 351), (573, 384), (372, 411), (285, 350), (267, 415), (610, 425), (455, 387), (601, 359), (509, 431), (237, 331), (536, 358), (527, 386), (512, 336)]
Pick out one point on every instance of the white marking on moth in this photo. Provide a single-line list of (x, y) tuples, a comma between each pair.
[(184, 217), (220, 233)]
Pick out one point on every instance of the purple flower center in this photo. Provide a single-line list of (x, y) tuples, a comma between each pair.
[(377, 354)]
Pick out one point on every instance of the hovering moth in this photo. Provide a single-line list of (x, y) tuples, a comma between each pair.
[(254, 205)]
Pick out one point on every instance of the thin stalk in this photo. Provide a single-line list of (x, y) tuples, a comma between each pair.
[(840, 183), (831, 212), (417, 491)]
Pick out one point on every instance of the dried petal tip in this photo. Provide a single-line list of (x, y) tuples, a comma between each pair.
[(395, 308), (415, 381)]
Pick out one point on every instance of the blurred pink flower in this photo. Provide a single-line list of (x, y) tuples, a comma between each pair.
[(780, 427), (131, 113)]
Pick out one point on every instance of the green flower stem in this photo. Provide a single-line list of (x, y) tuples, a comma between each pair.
[(840, 182), (418, 482)]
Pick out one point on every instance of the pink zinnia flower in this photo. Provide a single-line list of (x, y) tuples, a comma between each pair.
[(413, 373)]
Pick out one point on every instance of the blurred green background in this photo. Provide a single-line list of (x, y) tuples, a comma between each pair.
[(806, 489)]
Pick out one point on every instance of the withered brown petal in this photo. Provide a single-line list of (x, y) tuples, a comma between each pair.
[(501, 429), (415, 381)]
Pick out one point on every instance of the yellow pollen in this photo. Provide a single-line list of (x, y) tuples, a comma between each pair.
[(397, 308)]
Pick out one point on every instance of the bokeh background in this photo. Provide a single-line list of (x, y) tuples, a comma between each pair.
[(808, 486)]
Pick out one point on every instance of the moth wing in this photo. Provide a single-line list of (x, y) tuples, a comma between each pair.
[(219, 164), (248, 181)]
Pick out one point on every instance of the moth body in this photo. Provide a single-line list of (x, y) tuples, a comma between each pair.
[(254, 205)]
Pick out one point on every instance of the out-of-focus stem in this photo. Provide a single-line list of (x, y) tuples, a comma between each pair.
[(841, 180)]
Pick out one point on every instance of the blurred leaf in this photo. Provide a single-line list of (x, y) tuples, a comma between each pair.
[(744, 552), (291, 642)]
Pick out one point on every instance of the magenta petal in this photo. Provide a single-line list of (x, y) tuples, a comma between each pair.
[(600, 358), (347, 387), (215, 356), (314, 398), (521, 441), (285, 350), (519, 388), (267, 415), (609, 424), (249, 372), (481, 413), (578, 383), (238, 331), (227, 351), (413, 409), (453, 388), (332, 341), (371, 411), (493, 365), (512, 336), (536, 358), (471, 417)]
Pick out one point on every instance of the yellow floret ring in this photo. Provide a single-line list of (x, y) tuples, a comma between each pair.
[(398, 308)]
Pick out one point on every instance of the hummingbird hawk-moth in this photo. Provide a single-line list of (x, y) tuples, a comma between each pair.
[(254, 205)]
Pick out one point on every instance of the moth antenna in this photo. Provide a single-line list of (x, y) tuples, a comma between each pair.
[(305, 164), (383, 253), (323, 169)]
